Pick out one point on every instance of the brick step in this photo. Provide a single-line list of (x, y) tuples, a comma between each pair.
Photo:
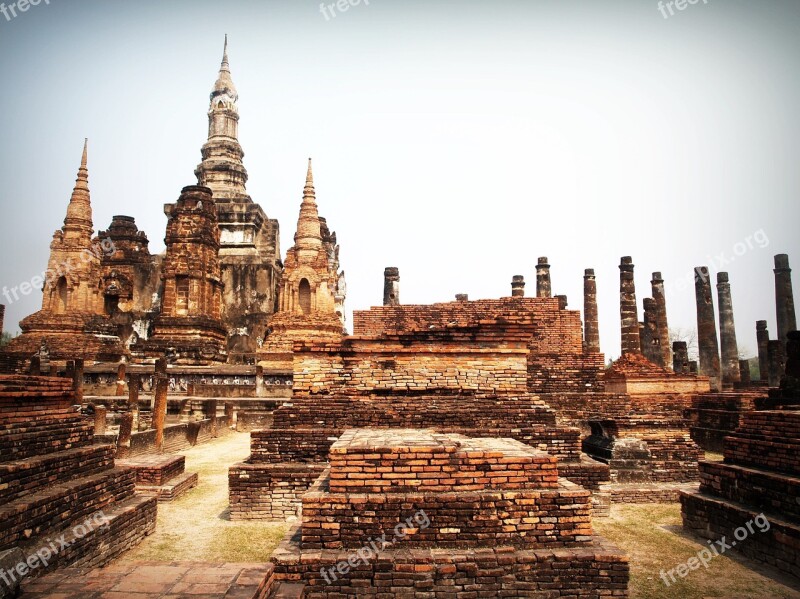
[(712, 518), (771, 491), (171, 489), (45, 436), (51, 509), (98, 538), (155, 470), (29, 475), (760, 451)]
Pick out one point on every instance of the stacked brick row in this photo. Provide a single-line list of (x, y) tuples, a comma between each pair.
[(557, 361), (53, 481), (519, 538), (760, 475)]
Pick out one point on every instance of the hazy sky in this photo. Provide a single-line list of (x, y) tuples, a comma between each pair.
[(457, 141)]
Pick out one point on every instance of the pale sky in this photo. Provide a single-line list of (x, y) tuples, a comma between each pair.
[(457, 141)]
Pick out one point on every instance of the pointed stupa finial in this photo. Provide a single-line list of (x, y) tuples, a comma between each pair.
[(225, 65), (224, 83), (85, 152), (308, 190)]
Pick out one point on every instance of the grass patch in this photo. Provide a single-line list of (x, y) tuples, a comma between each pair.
[(653, 537)]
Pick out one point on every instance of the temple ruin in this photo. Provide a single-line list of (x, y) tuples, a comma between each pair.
[(491, 431)]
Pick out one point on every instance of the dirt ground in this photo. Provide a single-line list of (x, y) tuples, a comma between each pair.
[(196, 527)]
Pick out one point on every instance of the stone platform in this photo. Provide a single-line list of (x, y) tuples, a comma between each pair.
[(156, 580), (417, 513), (161, 476)]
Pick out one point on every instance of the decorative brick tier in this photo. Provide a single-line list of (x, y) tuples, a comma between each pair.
[(760, 475), (55, 483), (499, 540), (163, 476), (402, 460)]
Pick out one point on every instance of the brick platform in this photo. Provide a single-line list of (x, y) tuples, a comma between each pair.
[(285, 460), (519, 532), (162, 476), (55, 484)]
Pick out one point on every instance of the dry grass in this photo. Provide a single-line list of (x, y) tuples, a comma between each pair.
[(654, 540), (195, 527)]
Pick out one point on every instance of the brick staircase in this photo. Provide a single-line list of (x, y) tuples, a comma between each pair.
[(57, 490)]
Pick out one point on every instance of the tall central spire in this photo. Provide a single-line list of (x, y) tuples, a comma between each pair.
[(222, 169), (78, 222)]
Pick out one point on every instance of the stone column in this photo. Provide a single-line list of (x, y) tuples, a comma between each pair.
[(125, 433), (230, 415), (517, 286), (680, 357), (650, 341), (2, 317), (776, 362), (121, 380), (762, 337), (657, 288), (562, 302), (591, 327), (543, 288), (707, 328), (784, 298), (77, 380), (628, 312), (261, 388), (133, 399), (160, 402), (727, 332), (212, 414), (100, 415), (693, 369), (391, 286), (462, 297), (744, 371)]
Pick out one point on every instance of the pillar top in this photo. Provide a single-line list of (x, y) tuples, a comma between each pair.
[(761, 325), (391, 271), (782, 261), (657, 278), (589, 272), (543, 261), (722, 277)]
